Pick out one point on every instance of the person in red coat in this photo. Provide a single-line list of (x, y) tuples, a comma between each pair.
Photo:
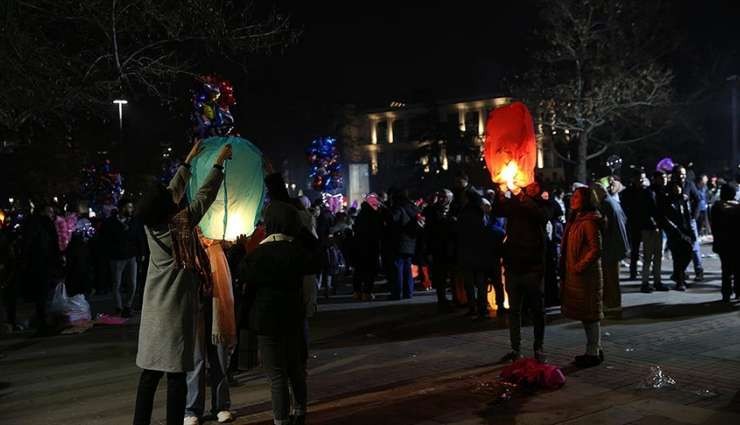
[(582, 289)]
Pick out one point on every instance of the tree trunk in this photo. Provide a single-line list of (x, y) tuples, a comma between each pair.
[(582, 158)]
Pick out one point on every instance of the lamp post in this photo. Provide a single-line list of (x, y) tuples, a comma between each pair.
[(120, 103)]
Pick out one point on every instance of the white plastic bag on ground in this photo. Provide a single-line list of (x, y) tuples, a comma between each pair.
[(68, 309)]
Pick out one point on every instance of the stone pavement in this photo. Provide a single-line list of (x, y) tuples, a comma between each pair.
[(400, 362)]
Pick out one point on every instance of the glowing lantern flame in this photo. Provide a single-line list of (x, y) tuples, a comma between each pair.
[(510, 147), (508, 174)]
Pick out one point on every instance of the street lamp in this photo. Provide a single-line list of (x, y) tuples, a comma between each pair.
[(120, 103)]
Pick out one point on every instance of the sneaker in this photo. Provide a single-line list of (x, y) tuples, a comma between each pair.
[(681, 288), (191, 420), (646, 289), (356, 296), (699, 276), (368, 297), (224, 416)]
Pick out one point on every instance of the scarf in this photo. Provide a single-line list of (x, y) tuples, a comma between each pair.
[(223, 329), (188, 253)]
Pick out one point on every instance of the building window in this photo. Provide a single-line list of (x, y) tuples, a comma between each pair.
[(382, 132)]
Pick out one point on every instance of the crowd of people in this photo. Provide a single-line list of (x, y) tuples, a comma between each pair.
[(209, 304)]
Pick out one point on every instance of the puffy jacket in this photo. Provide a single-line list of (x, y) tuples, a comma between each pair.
[(583, 285)]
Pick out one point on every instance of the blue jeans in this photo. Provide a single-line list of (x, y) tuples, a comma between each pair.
[(403, 280), (696, 249), (217, 357)]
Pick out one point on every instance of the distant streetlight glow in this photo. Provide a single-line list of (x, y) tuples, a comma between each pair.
[(120, 103)]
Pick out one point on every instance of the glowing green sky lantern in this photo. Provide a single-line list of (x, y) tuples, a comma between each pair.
[(238, 205)]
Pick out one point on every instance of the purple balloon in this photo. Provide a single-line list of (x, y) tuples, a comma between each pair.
[(665, 165)]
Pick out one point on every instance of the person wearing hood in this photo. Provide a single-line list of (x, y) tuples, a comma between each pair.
[(615, 246), (582, 287), (725, 221), (275, 308)]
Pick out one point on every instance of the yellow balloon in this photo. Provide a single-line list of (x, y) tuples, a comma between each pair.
[(209, 112)]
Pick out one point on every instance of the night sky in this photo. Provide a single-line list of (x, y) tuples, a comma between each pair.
[(369, 53)]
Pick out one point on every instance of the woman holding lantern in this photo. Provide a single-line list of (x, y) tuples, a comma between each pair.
[(176, 268), (583, 286)]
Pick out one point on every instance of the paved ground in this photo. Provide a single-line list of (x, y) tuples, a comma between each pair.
[(401, 363)]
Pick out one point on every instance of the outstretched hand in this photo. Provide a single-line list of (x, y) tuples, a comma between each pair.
[(195, 150), (224, 154)]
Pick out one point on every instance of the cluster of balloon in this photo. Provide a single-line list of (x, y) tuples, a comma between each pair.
[(101, 185), (326, 170), (213, 98), (665, 165)]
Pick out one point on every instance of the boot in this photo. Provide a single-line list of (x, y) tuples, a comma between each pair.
[(681, 281), (660, 287), (699, 276)]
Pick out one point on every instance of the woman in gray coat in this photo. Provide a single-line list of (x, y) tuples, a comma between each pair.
[(167, 329)]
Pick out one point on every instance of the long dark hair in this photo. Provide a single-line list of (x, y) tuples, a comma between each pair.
[(589, 202), (156, 207)]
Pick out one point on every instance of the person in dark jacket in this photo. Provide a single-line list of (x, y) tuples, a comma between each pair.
[(471, 248), (725, 221), (405, 228), (583, 281), (41, 261), (676, 221), (689, 190), (123, 237), (632, 203), (652, 237), (494, 233), (275, 308), (440, 246), (368, 229), (526, 216)]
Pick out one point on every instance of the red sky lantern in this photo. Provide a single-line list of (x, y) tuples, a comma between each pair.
[(510, 147)]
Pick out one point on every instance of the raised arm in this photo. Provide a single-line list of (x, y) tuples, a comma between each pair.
[(209, 189), (179, 182)]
